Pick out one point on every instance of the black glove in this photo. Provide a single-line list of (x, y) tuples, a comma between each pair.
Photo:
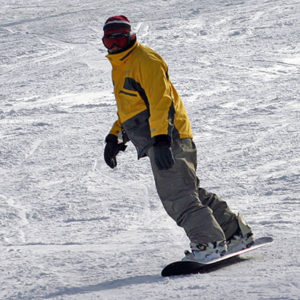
[(111, 150), (162, 152)]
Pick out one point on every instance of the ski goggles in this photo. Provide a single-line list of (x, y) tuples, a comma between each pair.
[(116, 39)]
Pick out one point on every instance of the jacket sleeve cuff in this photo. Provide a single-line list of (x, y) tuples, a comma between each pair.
[(111, 139)]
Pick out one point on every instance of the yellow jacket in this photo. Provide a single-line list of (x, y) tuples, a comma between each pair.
[(148, 104)]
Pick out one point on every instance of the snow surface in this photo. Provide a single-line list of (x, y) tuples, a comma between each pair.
[(72, 228)]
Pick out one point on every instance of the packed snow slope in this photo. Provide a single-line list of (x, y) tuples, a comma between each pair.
[(71, 227)]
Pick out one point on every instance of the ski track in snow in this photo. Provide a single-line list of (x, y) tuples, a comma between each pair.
[(71, 228)]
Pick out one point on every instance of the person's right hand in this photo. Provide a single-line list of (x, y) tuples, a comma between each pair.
[(111, 150)]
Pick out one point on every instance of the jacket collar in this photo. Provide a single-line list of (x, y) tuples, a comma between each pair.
[(120, 58)]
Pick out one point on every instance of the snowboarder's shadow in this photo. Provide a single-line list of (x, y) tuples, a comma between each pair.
[(118, 283), (107, 285)]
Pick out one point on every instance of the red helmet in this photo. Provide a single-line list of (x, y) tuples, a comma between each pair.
[(117, 32)]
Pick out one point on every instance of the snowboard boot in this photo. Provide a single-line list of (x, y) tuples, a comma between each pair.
[(243, 238), (205, 252)]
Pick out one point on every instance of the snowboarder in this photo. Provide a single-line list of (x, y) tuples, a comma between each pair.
[(152, 116)]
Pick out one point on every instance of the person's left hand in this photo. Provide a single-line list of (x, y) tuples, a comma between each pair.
[(163, 155)]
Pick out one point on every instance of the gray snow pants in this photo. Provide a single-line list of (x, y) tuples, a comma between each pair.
[(203, 215)]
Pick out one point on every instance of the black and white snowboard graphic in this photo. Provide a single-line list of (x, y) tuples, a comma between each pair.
[(192, 267)]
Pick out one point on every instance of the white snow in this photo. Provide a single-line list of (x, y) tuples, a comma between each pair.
[(72, 228)]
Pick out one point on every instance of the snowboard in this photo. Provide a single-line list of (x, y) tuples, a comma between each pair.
[(192, 267)]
